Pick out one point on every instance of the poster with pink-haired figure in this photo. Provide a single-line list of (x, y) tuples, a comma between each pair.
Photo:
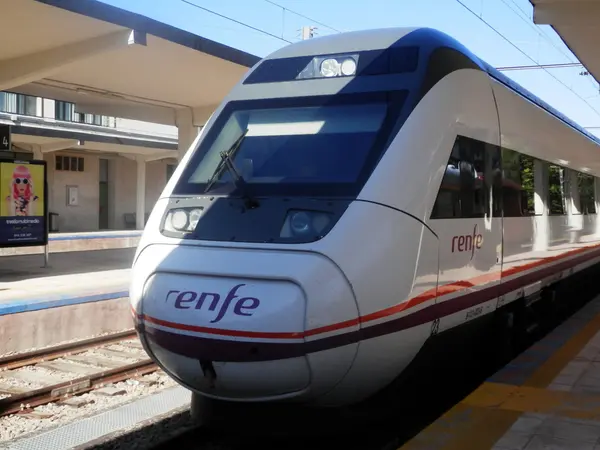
[(22, 210)]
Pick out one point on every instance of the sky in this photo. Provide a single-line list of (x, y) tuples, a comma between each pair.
[(523, 43)]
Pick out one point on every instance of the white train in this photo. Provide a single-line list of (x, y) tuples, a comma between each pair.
[(352, 197)]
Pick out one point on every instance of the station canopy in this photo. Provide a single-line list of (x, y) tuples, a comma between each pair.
[(577, 22), (113, 62)]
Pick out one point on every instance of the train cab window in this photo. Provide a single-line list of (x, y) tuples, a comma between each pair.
[(464, 191), (517, 184), (556, 190), (587, 197), (290, 149)]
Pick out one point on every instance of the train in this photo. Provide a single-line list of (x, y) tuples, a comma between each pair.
[(354, 197)]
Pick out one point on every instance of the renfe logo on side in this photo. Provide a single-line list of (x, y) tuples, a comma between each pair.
[(467, 243), (196, 300)]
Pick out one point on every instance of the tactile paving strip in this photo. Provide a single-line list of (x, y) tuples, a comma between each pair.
[(94, 427)]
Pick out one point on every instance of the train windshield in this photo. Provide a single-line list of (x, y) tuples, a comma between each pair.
[(286, 150)]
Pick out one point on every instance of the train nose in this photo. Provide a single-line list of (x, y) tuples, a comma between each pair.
[(236, 328)]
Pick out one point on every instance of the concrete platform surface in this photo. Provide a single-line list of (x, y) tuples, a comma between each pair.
[(24, 281), (80, 294), (546, 398)]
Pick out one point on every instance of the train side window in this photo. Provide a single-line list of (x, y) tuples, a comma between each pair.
[(556, 190), (463, 192), (493, 177), (474, 184), (587, 197), (517, 184)]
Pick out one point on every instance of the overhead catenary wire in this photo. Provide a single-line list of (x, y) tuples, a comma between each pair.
[(235, 21), (260, 30), (542, 34), (303, 16), (539, 66), (526, 55)]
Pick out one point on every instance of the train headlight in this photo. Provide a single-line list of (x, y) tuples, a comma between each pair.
[(348, 67), (305, 224), (330, 66), (182, 220), (300, 222)]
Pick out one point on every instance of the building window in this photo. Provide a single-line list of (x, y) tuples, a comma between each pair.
[(69, 163), (91, 119), (64, 110), (8, 102), (25, 105)]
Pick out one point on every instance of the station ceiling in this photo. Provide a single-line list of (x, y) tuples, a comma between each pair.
[(577, 23), (110, 61)]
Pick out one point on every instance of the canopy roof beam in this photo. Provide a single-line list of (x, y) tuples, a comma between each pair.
[(35, 66), (567, 13)]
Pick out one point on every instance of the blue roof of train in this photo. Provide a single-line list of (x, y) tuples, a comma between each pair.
[(508, 82), (443, 40)]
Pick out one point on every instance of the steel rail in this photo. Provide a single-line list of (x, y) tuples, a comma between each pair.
[(25, 402), (29, 358)]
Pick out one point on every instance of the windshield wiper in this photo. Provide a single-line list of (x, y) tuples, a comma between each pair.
[(226, 156), (227, 162)]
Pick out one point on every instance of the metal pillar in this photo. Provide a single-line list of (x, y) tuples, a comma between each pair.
[(140, 197)]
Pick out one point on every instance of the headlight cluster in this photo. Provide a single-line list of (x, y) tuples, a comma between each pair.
[(334, 67), (182, 220), (330, 66), (302, 223)]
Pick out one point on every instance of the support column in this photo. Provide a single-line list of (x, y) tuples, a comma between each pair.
[(186, 131), (540, 181), (140, 198), (597, 204), (573, 200), (37, 152)]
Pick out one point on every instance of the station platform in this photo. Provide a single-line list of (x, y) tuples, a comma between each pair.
[(79, 295), (74, 242), (546, 398)]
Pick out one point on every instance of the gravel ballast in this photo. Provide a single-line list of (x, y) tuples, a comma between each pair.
[(17, 426)]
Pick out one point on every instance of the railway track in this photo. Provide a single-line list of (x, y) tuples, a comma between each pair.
[(57, 373)]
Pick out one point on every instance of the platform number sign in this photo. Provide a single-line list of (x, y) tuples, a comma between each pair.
[(5, 138)]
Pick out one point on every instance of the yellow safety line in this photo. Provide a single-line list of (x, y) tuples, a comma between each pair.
[(483, 417), (544, 375), (522, 399)]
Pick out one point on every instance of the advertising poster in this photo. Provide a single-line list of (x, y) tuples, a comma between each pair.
[(22, 203)]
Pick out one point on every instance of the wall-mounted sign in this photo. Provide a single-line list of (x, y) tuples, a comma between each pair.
[(72, 195), (23, 205), (5, 144)]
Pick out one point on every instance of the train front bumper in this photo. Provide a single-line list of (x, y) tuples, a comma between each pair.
[(238, 324)]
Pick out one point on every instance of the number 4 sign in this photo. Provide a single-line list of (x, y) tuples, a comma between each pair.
[(5, 138)]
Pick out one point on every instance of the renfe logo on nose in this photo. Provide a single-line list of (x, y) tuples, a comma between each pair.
[(196, 300)]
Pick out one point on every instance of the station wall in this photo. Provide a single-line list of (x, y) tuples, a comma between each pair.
[(121, 181)]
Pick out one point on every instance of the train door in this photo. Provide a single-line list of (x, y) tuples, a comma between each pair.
[(468, 221)]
